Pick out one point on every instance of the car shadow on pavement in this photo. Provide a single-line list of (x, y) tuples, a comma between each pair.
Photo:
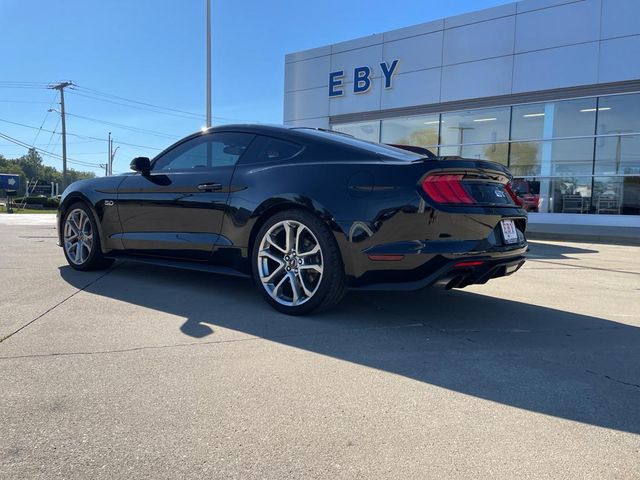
[(571, 366), (553, 251)]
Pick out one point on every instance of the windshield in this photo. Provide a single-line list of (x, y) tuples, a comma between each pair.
[(379, 148)]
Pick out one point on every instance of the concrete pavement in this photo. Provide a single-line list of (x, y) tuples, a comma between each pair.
[(147, 372)]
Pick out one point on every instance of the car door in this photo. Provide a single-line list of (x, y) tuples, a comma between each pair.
[(176, 209)]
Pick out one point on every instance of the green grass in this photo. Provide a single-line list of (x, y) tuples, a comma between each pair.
[(26, 210)]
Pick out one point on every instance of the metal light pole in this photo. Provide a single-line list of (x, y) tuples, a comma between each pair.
[(208, 63)]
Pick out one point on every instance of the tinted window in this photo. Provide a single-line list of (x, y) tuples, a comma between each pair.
[(273, 149), (207, 151), (372, 147)]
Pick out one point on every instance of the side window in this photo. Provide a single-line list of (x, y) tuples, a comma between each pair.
[(186, 156), (208, 151), (228, 147), (269, 149)]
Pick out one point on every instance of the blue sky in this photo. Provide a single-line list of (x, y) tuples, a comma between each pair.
[(153, 52)]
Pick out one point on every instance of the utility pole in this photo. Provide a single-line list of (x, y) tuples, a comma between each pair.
[(60, 87), (113, 155), (208, 63), (109, 145)]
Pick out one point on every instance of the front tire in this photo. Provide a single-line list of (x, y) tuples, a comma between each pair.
[(296, 263), (81, 241)]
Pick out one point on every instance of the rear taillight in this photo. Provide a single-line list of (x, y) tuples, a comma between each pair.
[(446, 189), (517, 200)]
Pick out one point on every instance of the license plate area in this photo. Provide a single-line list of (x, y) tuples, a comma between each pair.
[(509, 232)]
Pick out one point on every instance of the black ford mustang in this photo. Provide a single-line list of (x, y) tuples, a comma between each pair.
[(308, 213)]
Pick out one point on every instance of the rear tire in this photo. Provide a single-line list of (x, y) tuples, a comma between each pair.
[(296, 263), (81, 240)]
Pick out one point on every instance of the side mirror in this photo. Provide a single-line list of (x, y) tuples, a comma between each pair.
[(141, 164)]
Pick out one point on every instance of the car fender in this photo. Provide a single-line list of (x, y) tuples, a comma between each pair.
[(70, 199), (285, 201)]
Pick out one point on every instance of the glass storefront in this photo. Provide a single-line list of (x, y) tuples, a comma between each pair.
[(567, 156), (365, 130)]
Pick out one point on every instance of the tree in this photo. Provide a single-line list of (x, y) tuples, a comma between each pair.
[(75, 175), (523, 159), (30, 167), (421, 138), (31, 164)]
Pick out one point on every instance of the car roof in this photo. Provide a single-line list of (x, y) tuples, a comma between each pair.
[(280, 131), (305, 135)]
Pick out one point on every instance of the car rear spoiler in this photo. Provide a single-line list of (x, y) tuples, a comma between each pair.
[(412, 148)]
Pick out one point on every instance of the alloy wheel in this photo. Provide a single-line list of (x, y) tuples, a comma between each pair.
[(78, 236), (290, 263)]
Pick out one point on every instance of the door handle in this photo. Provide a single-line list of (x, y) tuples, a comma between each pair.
[(209, 187)]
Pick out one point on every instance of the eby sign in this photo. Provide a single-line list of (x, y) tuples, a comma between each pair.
[(361, 79)]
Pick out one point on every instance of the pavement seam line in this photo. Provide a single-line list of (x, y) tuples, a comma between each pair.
[(212, 342), (8, 336), (612, 270)]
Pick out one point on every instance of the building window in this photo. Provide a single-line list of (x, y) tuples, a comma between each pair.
[(619, 114), (420, 131), (568, 194), (617, 147), (495, 152), (567, 156), (618, 155), (572, 118), (369, 131), (488, 125), (528, 122), (525, 158)]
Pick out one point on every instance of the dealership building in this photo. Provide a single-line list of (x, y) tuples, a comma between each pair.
[(550, 88)]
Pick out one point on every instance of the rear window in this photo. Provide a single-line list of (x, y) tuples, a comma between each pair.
[(267, 149), (278, 150), (373, 147)]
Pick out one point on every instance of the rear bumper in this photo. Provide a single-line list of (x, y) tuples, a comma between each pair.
[(456, 273)]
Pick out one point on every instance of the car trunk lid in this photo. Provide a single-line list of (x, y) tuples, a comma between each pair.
[(455, 181)]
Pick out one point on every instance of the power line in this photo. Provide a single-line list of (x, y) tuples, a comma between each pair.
[(109, 95), (45, 145), (97, 139), (179, 115), (45, 118), (84, 142), (143, 131), (109, 98), (23, 101), (21, 82), (146, 104), (53, 133), (25, 85), (44, 152)]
